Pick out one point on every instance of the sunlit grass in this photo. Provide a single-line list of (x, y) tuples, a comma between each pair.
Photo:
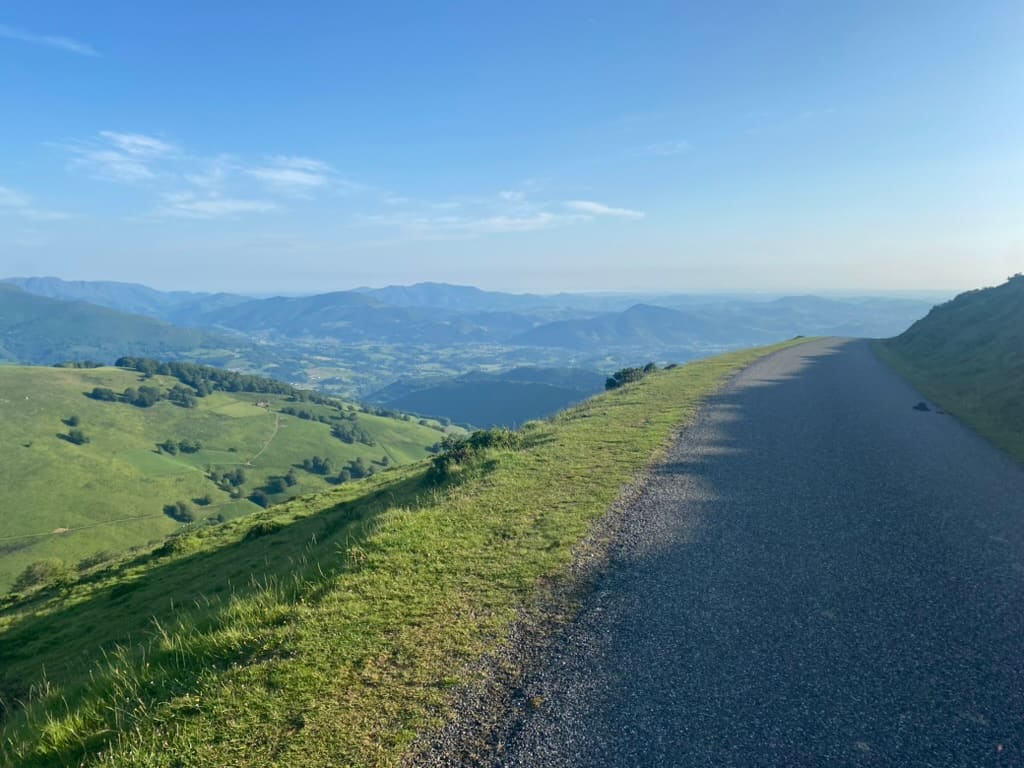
[(331, 630)]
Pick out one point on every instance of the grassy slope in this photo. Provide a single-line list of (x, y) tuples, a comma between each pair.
[(47, 483), (967, 355), (34, 329), (336, 638)]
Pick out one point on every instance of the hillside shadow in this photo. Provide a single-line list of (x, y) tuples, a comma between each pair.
[(63, 639)]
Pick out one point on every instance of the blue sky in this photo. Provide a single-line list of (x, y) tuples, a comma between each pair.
[(269, 146)]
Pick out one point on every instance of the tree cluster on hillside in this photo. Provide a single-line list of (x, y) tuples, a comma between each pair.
[(351, 432), (229, 480), (318, 465), (77, 436), (181, 511), (387, 413), (185, 446), (144, 397), (302, 413), (205, 379), (355, 469), (276, 484), (628, 375)]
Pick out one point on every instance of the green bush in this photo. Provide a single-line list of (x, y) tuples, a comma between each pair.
[(459, 451), (51, 572), (181, 511), (264, 528)]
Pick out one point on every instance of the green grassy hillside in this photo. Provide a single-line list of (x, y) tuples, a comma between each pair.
[(332, 629), (967, 355), (68, 501), (39, 330)]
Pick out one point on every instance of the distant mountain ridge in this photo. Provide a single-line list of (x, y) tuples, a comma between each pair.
[(556, 329), (39, 330), (132, 298)]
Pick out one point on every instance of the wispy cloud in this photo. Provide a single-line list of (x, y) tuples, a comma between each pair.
[(508, 211), (292, 174), (590, 208), (299, 176), (51, 41), (434, 227), (196, 187), (128, 158), (137, 144), (669, 148), (186, 205), (15, 203)]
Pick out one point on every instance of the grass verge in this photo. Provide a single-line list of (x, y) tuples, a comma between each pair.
[(330, 630), (986, 397)]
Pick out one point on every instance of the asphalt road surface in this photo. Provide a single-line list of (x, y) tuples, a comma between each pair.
[(818, 574)]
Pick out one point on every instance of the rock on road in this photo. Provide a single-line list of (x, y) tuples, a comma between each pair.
[(817, 574)]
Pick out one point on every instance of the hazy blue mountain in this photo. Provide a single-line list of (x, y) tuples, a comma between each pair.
[(642, 325), (180, 307), (40, 330), (509, 398), (585, 326), (459, 298), (731, 323), (464, 298), (355, 317)]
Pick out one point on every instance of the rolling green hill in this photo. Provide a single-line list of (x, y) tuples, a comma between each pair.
[(59, 499), (333, 629), (181, 307), (968, 356), (40, 330)]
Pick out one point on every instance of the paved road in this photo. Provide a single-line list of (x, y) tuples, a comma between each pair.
[(818, 575)]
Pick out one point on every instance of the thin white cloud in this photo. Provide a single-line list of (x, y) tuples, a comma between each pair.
[(51, 41), (187, 206), (288, 178), (440, 227), (292, 175), (668, 148), (196, 187), (300, 163), (113, 166), (15, 203), (127, 158), (137, 144), (590, 208)]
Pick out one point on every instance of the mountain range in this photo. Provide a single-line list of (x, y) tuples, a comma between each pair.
[(359, 342)]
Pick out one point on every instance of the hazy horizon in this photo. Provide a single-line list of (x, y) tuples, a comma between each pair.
[(659, 147), (923, 294)]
